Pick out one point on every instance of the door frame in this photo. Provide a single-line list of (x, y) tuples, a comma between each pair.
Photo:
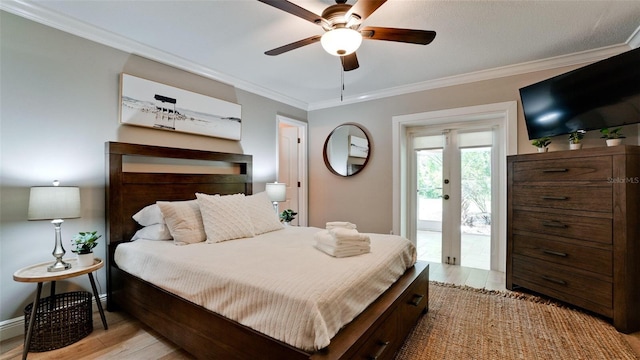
[(506, 115), (303, 198)]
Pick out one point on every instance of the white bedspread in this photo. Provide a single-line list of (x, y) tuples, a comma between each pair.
[(276, 283)]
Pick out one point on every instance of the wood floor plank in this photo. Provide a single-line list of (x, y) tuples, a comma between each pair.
[(477, 279)]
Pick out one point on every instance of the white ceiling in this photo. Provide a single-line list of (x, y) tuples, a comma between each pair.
[(226, 40)]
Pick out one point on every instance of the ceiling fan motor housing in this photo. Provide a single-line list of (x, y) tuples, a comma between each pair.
[(334, 17)]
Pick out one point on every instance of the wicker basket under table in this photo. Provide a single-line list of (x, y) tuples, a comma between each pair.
[(61, 320)]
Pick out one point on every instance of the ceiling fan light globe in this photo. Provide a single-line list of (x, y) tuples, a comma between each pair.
[(341, 41)]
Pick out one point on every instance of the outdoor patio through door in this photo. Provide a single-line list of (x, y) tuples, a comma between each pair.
[(453, 170)]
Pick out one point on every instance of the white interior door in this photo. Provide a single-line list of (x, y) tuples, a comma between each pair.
[(288, 168), (292, 167)]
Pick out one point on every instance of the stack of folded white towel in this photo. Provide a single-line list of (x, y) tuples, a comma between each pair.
[(342, 239)]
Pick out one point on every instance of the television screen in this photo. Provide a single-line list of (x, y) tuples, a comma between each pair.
[(600, 95)]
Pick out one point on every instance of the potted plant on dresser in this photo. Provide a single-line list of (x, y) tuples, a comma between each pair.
[(84, 242), (574, 139), (541, 143), (613, 136)]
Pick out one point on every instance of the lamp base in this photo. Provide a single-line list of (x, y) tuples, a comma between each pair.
[(59, 265), (58, 250)]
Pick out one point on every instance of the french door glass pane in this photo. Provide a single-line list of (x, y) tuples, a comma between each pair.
[(475, 166), (429, 231)]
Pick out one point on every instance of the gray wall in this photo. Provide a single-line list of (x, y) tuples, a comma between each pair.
[(366, 198), (59, 97)]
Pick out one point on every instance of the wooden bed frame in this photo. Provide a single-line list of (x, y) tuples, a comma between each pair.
[(377, 333)]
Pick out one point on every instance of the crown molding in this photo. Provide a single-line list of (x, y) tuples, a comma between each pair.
[(75, 27), (52, 19), (580, 58)]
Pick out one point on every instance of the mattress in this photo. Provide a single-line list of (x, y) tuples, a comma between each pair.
[(277, 283)]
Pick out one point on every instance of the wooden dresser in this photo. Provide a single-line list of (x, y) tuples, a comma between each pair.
[(573, 229)]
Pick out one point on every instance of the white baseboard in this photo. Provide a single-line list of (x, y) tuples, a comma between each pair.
[(15, 327)]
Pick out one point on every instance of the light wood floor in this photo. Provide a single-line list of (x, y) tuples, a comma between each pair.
[(129, 339)]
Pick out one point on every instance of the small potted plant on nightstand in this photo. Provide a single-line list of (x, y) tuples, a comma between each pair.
[(287, 216), (84, 242), (613, 136), (574, 139), (542, 143)]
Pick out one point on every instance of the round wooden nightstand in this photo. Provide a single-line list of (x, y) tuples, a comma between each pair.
[(38, 274)]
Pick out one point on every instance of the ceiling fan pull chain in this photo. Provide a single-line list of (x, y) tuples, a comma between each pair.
[(342, 87)]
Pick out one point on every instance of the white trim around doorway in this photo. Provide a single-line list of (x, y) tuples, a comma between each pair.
[(505, 112)]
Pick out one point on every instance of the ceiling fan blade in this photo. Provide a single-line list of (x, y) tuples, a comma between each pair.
[(293, 45), (364, 8), (294, 9), (349, 62), (422, 37)]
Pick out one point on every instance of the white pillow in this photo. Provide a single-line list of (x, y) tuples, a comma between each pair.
[(183, 220), (149, 215), (225, 217), (153, 232), (263, 217)]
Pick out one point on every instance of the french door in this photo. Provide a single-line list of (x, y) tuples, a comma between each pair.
[(454, 192)]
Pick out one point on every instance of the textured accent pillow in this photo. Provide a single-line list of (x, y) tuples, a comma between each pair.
[(153, 232), (183, 220), (263, 217), (225, 217), (149, 215)]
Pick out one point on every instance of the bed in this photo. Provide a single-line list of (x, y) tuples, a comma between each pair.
[(377, 332)]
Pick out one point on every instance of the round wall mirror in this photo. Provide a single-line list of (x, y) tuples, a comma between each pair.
[(346, 150)]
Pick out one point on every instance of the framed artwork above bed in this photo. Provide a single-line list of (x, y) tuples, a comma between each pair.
[(150, 104)]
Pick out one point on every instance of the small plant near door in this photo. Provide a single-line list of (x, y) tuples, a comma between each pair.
[(288, 216)]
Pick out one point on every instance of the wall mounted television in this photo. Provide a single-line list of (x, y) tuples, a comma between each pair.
[(603, 94)]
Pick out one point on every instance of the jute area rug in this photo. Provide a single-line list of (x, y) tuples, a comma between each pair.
[(467, 323)]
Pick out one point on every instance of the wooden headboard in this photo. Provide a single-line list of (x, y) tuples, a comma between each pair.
[(129, 189)]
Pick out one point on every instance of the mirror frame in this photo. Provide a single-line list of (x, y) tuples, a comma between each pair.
[(326, 156)]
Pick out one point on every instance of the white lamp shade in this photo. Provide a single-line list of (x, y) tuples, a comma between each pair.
[(341, 41), (54, 202), (277, 191)]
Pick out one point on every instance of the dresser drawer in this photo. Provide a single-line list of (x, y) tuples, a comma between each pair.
[(569, 226), (591, 198), (552, 279), (576, 169), (581, 257)]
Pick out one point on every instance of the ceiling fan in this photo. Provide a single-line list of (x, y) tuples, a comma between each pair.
[(343, 32)]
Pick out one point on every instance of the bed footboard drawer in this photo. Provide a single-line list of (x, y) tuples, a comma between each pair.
[(383, 343), (414, 303)]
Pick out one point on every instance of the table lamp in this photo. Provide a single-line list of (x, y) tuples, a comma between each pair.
[(55, 203), (276, 192)]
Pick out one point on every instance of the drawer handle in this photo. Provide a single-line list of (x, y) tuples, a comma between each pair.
[(554, 170), (382, 346), (554, 224), (555, 198), (551, 252), (416, 299), (554, 280)]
